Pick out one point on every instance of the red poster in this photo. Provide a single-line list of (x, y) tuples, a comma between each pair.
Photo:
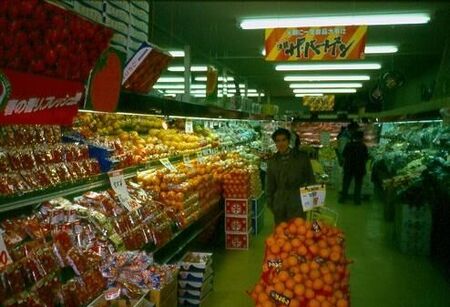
[(30, 99)]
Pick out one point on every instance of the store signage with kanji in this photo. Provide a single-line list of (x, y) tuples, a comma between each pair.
[(315, 43), (48, 101)]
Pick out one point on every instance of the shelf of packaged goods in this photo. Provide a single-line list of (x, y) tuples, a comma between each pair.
[(95, 183)]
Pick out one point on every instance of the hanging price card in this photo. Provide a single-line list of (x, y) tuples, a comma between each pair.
[(167, 164), (206, 152), (5, 259), (312, 196), (189, 127), (119, 186), (187, 161)]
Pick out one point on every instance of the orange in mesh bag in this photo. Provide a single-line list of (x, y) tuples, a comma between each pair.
[(304, 265)]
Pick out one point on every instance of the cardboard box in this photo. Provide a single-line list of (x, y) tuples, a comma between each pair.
[(238, 241), (236, 224), (198, 277), (237, 206), (196, 286), (258, 223), (196, 267), (165, 297), (196, 294)]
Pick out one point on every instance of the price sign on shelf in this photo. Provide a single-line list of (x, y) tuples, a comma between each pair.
[(200, 157), (189, 126), (167, 164), (312, 197), (187, 161), (119, 186), (5, 259), (215, 151)]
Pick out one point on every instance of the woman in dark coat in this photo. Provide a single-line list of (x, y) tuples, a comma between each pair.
[(287, 171)]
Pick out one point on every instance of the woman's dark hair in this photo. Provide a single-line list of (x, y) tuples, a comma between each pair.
[(281, 131)]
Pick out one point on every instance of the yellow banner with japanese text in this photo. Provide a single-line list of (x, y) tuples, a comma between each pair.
[(319, 103), (315, 43)]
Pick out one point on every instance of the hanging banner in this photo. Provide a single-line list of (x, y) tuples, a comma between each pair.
[(319, 103), (211, 83), (315, 43), (31, 99)]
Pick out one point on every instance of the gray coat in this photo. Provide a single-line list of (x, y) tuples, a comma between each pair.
[(285, 175)]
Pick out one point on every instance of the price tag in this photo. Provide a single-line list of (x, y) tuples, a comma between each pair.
[(200, 158), (312, 197), (189, 127), (167, 164), (119, 186), (211, 124), (206, 152), (5, 259), (263, 166), (187, 160), (215, 151), (280, 298)]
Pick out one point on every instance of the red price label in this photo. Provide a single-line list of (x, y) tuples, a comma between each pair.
[(5, 259)]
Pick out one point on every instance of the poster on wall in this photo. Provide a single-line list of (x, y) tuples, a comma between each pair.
[(315, 43)]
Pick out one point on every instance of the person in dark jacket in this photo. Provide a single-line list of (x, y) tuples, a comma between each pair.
[(355, 157), (287, 171)]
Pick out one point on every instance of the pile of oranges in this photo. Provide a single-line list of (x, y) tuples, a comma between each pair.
[(305, 266)]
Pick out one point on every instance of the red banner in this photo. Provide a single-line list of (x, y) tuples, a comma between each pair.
[(30, 99)]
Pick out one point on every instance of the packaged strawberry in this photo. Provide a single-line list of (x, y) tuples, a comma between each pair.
[(70, 152), (48, 289), (57, 153), (68, 295), (14, 279), (31, 180), (27, 158), (4, 161), (15, 159), (32, 269), (75, 259), (42, 177), (62, 243), (63, 172), (42, 154)]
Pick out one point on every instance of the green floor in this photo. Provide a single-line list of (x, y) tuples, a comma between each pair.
[(381, 276)]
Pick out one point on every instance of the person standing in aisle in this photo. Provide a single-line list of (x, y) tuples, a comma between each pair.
[(355, 157), (287, 171), (343, 138)]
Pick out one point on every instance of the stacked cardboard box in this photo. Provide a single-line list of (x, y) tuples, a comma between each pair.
[(238, 213), (195, 279)]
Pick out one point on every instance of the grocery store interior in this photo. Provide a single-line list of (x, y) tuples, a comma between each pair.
[(224, 153)]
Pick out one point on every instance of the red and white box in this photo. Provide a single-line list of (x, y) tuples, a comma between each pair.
[(237, 241), (238, 206), (240, 224)]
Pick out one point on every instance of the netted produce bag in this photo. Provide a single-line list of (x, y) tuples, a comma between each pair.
[(304, 265)]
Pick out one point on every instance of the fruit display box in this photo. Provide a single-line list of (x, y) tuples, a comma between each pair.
[(258, 223), (204, 263), (241, 224), (237, 241), (235, 206), (258, 204)]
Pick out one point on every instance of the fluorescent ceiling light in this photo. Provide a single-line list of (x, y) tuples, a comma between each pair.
[(324, 21), (170, 95), (199, 95), (328, 66), (251, 90), (304, 95), (203, 79), (324, 90), (380, 49), (193, 68), (327, 78), (174, 92), (325, 85), (255, 95), (177, 53), (177, 86), (230, 85), (170, 79)]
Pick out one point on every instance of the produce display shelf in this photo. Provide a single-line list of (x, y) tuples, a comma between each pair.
[(100, 181)]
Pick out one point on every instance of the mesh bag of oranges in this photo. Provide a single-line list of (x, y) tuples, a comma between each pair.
[(304, 265)]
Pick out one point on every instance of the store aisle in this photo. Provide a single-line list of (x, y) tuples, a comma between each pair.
[(380, 274)]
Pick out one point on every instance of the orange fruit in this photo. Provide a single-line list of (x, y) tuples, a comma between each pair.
[(342, 303), (284, 255), (324, 253), (258, 288), (290, 284), (296, 243), (298, 221), (327, 289), (292, 261), (280, 242), (263, 297), (336, 248), (314, 265), (313, 303), (268, 304), (294, 270), (275, 249), (304, 268), (313, 249), (339, 294), (301, 250), (309, 293), (326, 304), (279, 287), (269, 289), (309, 242), (301, 230), (314, 274), (328, 279), (283, 276), (309, 234), (322, 244), (335, 256), (331, 267), (270, 241), (318, 284), (287, 247), (320, 298), (292, 229), (298, 278), (299, 289), (324, 270), (294, 303), (288, 293)]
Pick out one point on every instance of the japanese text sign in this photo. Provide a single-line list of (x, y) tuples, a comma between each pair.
[(315, 43), (312, 196)]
